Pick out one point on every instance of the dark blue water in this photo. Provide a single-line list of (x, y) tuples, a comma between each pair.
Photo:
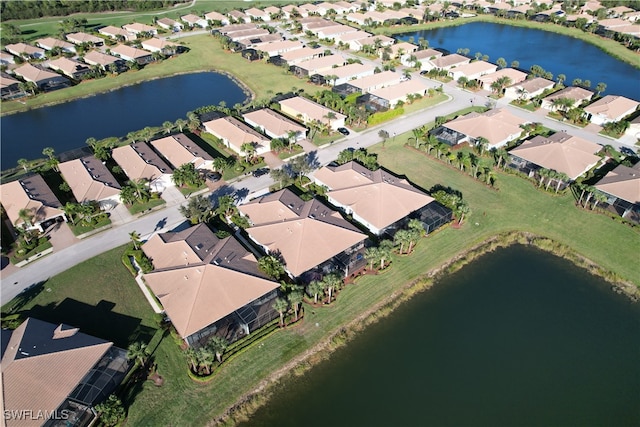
[(67, 126), (554, 52), (517, 338)]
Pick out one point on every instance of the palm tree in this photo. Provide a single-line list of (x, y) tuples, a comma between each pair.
[(501, 155), (70, 210), (332, 282), (600, 87), (167, 126), (482, 143), (330, 116), (218, 344), (551, 175), (417, 135), (206, 358), (417, 226), (402, 238), (295, 299), (542, 173), (137, 351), (27, 216), (314, 289), (192, 357), (220, 164), (372, 255), (281, 305), (140, 188), (180, 124), (461, 210), (197, 210), (249, 150), (271, 266), (600, 198), (560, 79), (24, 164), (135, 239), (561, 178), (386, 249)]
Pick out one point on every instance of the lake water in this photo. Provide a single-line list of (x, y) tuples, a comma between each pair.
[(67, 126), (517, 338), (554, 52)]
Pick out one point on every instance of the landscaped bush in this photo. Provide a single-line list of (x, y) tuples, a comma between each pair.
[(384, 116)]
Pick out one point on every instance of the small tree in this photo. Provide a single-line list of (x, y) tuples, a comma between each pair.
[(111, 411), (135, 239), (315, 288), (137, 351), (271, 266), (295, 298), (197, 210), (281, 305), (218, 345)]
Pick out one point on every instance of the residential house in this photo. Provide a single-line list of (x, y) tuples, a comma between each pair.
[(162, 46), (275, 125), (140, 162), (257, 15), (422, 56), (380, 201), (295, 56), (103, 60), (195, 21), (10, 88), (49, 43), (170, 24), (610, 108), (398, 49), (473, 70), (56, 369), (260, 40), (116, 33), (273, 11), (390, 96), (528, 89), (560, 152), (209, 286), (80, 38), (314, 23), (307, 235), (45, 80), (576, 94), (619, 11), (372, 42), (344, 7), (132, 54), (309, 8), (26, 51), (178, 149), (515, 77), (634, 127), (376, 81), (31, 193), (71, 68), (140, 30), (446, 62), (622, 187), (358, 18), (497, 126), (344, 74), (318, 65), (216, 17), (280, 47), (228, 30), (238, 16), (310, 112), (250, 33), (90, 180), (6, 59), (334, 31), (350, 39), (234, 134), (290, 11)]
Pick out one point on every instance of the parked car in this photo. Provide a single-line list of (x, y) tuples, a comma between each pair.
[(259, 172), (213, 176), (343, 131), (627, 151)]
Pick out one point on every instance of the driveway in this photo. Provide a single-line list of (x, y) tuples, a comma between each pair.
[(61, 236)]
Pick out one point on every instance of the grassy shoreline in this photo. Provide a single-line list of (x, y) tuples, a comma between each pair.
[(250, 402)]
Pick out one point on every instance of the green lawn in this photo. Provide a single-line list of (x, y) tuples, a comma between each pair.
[(516, 205)]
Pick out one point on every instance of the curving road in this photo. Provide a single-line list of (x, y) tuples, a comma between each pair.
[(12, 284)]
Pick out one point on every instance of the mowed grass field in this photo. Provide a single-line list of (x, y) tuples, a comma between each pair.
[(516, 205), (205, 54)]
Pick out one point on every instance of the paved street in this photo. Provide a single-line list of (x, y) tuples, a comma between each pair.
[(13, 281)]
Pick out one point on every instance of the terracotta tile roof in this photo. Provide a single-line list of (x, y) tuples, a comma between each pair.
[(43, 364), (272, 122), (215, 16), (139, 161), (35, 74), (535, 84), (450, 60), (378, 197), (306, 234), (309, 110), (230, 29), (128, 52), (612, 106), (423, 55), (496, 125), (98, 58), (155, 43), (178, 149), (247, 34), (49, 43), (576, 93), (234, 132), (68, 66), (561, 152), (169, 22), (300, 54), (195, 297), (474, 68), (139, 28), (31, 193), (516, 76), (323, 63), (385, 78), (80, 37), (6, 81), (281, 47), (349, 70), (372, 40), (401, 90), (622, 182), (89, 179), (113, 32), (356, 35), (24, 49)]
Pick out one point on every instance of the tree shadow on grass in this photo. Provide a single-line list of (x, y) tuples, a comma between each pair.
[(99, 320)]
